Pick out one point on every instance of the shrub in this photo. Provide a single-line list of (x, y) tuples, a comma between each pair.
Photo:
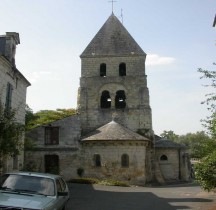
[(107, 182), (205, 172)]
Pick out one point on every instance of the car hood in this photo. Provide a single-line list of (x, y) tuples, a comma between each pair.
[(24, 200)]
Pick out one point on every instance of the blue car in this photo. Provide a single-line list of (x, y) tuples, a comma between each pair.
[(30, 190)]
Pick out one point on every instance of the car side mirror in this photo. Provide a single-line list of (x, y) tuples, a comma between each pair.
[(62, 193)]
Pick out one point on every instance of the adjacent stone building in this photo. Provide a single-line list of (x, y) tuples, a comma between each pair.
[(13, 87), (111, 136)]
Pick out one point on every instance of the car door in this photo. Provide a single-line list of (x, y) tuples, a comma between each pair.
[(61, 199)]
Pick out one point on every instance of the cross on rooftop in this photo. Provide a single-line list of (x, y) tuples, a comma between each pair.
[(112, 1)]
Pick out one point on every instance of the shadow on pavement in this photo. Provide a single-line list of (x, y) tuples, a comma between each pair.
[(85, 197)]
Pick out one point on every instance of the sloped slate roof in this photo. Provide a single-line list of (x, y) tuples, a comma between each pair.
[(113, 131), (164, 143), (112, 39)]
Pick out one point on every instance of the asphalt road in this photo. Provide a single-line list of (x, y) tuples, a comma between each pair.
[(175, 197)]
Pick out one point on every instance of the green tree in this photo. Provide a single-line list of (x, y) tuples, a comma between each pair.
[(206, 172), (46, 116), (170, 135), (30, 117), (210, 101), (206, 169), (11, 134), (196, 142)]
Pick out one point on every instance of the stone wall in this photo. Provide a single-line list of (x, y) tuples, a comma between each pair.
[(69, 161), (110, 153), (8, 75), (137, 113), (135, 66), (68, 149), (176, 167), (69, 133), (169, 168)]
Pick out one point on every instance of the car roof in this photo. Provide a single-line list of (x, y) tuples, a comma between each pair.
[(45, 175)]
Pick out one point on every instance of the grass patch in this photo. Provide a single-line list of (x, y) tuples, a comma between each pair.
[(107, 182)]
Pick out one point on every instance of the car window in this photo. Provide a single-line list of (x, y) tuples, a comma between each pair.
[(59, 189), (63, 184), (2, 180), (27, 183)]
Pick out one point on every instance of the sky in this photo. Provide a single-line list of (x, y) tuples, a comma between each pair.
[(177, 36)]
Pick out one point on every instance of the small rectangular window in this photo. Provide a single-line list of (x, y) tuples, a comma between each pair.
[(8, 97), (51, 135), (103, 70)]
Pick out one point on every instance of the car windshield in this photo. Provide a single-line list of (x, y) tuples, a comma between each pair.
[(24, 183)]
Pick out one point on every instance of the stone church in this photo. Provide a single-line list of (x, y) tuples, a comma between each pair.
[(111, 135)]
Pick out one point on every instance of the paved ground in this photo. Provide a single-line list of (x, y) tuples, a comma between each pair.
[(178, 197)]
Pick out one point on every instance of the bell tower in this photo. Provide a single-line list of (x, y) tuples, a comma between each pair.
[(113, 81)]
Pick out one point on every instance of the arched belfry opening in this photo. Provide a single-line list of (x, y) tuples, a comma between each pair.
[(122, 69), (103, 70), (105, 100), (120, 99)]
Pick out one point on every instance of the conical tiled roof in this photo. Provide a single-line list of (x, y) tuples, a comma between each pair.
[(112, 39), (113, 131)]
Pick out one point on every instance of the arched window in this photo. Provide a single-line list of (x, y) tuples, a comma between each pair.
[(120, 99), (97, 160), (125, 161), (105, 100), (103, 70), (122, 69), (163, 158)]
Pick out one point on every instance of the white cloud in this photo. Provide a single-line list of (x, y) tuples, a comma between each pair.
[(154, 59)]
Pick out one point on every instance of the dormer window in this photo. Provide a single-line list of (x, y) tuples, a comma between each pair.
[(120, 99), (105, 100), (122, 69), (103, 70)]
